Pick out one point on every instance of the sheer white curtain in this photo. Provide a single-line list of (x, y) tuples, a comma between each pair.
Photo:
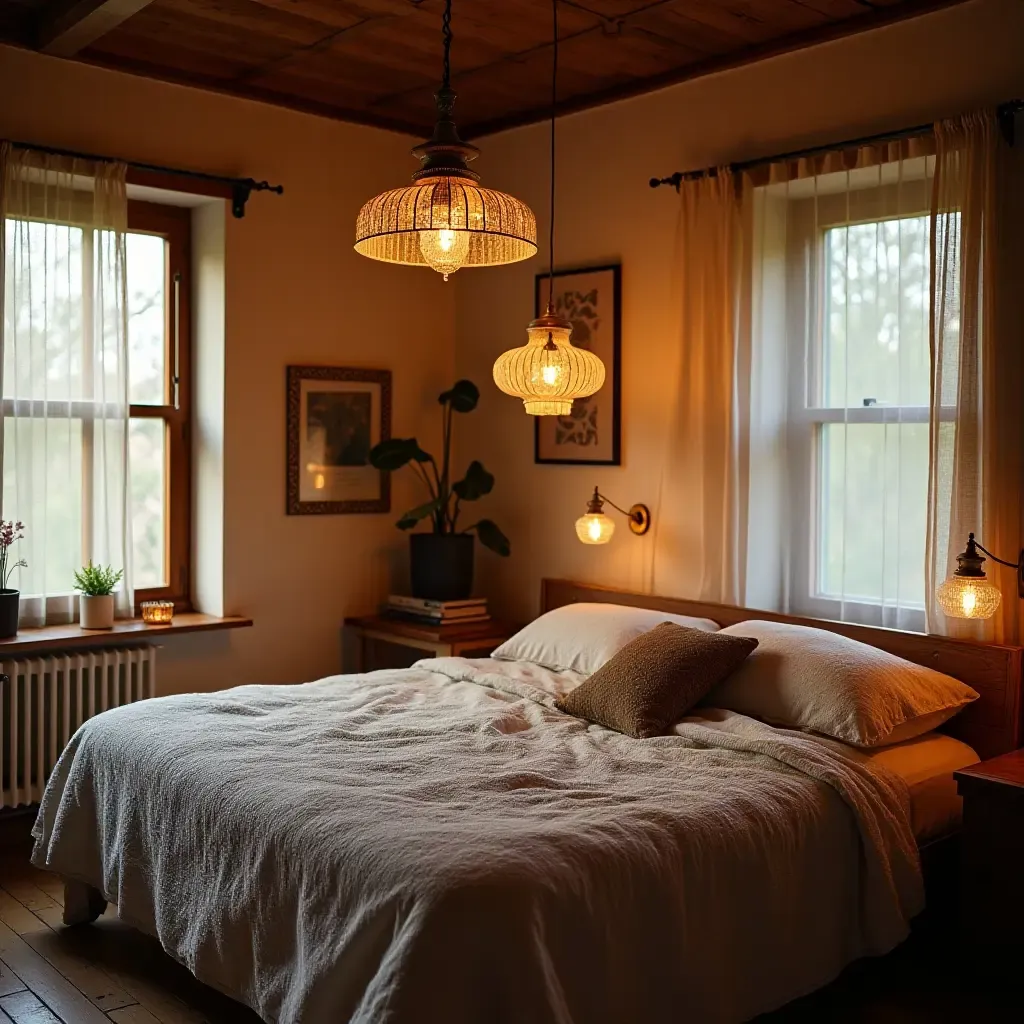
[(65, 375), (700, 537), (976, 460)]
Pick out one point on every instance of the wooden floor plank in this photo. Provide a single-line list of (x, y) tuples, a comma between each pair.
[(140, 967), (26, 892), (95, 984), (49, 883), (46, 982), (20, 872), (19, 919), (51, 943), (118, 970), (133, 1015), (25, 1008), (9, 981)]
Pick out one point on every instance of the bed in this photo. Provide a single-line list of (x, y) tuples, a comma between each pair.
[(441, 843)]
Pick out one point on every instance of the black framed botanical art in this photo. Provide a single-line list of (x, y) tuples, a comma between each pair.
[(335, 416), (591, 298)]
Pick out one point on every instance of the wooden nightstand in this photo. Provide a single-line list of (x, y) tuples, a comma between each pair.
[(992, 883), (386, 643)]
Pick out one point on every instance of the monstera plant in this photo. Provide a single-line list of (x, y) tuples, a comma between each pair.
[(442, 560)]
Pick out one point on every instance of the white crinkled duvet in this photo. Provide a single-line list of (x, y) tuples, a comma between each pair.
[(440, 844)]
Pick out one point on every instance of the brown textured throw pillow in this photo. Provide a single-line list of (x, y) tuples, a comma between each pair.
[(655, 679)]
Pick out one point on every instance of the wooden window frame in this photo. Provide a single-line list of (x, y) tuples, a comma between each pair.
[(174, 224)]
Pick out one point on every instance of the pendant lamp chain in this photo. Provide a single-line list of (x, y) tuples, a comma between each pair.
[(446, 31), (554, 108)]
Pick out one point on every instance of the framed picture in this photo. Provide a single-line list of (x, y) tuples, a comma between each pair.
[(590, 435), (335, 416)]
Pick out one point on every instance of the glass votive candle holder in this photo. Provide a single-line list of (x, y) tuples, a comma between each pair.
[(157, 612)]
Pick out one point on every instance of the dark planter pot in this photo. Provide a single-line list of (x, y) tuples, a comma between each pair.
[(8, 612), (441, 565)]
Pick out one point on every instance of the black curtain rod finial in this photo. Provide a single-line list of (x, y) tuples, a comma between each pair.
[(673, 180), (243, 188)]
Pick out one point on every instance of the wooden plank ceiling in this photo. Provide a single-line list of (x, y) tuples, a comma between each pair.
[(378, 61)]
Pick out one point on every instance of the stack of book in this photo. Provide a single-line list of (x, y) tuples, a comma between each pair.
[(437, 613)]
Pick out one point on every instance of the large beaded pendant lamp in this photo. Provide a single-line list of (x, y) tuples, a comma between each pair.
[(547, 373), (444, 220)]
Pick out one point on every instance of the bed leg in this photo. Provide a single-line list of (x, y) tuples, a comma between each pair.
[(82, 903)]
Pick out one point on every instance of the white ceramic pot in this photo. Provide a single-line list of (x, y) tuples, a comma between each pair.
[(96, 612)]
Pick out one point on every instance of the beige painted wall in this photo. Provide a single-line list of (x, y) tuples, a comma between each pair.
[(295, 293), (905, 74)]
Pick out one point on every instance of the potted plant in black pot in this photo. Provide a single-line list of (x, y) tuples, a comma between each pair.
[(9, 599), (441, 561)]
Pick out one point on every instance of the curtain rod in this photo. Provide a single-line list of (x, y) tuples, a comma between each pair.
[(1005, 112), (241, 188)]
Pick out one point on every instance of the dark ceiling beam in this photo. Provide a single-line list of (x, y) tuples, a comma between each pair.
[(65, 27)]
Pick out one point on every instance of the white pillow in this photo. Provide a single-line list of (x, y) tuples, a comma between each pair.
[(811, 679), (582, 637)]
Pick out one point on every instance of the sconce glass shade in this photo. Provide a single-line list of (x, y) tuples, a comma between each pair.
[(547, 373), (595, 528), (446, 222), (969, 597)]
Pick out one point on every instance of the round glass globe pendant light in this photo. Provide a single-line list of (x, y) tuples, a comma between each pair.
[(445, 220), (547, 373), (968, 593)]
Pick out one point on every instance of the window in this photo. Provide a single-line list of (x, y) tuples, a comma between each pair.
[(857, 323), (50, 445)]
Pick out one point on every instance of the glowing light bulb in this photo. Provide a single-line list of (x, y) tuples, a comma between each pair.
[(595, 528), (445, 249), (318, 481), (969, 597), (547, 373)]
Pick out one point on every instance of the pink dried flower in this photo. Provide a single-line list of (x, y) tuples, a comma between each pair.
[(9, 533)]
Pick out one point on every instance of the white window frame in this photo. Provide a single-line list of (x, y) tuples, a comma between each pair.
[(807, 418)]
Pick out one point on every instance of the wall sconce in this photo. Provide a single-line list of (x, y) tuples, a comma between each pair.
[(968, 593), (594, 527)]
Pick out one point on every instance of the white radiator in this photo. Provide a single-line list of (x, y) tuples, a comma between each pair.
[(45, 700)]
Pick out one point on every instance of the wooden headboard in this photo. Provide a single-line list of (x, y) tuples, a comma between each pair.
[(993, 725)]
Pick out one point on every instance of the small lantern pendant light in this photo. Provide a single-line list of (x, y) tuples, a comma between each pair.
[(445, 220), (547, 373)]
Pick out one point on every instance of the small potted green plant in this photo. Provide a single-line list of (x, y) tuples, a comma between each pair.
[(441, 561), (96, 605), (10, 532)]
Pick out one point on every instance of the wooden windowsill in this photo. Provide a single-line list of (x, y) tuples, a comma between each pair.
[(125, 631)]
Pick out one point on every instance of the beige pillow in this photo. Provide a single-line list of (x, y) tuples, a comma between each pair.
[(582, 637), (811, 679), (655, 679)]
